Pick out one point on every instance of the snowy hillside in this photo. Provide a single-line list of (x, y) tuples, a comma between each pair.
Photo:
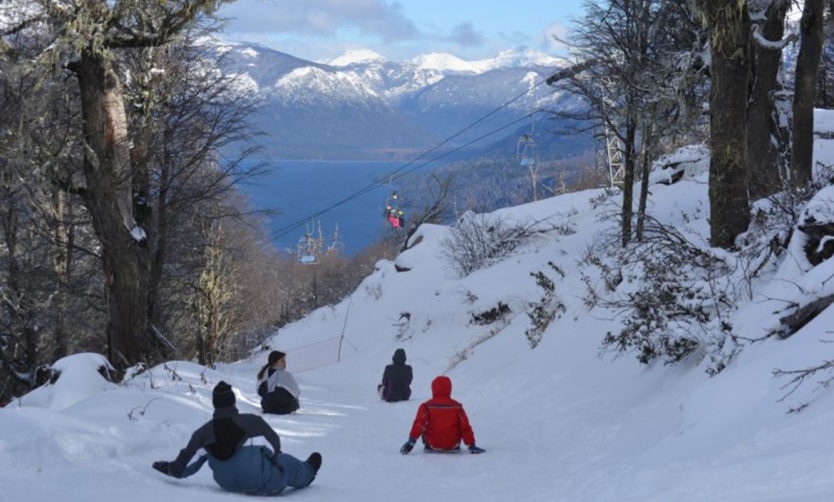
[(560, 422)]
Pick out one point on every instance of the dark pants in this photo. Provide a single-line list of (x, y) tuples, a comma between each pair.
[(279, 402)]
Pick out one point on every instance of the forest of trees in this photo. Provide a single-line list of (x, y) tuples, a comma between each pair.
[(659, 74), (122, 230)]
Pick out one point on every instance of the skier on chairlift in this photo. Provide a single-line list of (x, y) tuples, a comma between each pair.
[(393, 214)]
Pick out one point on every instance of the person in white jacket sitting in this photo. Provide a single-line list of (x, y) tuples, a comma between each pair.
[(278, 389)]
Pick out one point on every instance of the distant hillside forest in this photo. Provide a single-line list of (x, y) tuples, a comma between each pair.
[(488, 183)]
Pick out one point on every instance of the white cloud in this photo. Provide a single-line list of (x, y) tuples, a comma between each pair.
[(321, 18), (553, 37), (466, 35)]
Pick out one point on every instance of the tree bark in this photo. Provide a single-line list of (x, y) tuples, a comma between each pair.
[(20, 350), (807, 62), (62, 237), (645, 168), (728, 22), (628, 175), (763, 132), (108, 176)]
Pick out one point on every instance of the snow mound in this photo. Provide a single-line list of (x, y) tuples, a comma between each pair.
[(74, 378)]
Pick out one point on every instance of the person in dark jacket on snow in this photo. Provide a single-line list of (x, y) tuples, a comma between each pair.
[(396, 379), (278, 389), (236, 467), (441, 422)]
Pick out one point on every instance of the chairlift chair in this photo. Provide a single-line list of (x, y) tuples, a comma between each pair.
[(306, 250), (526, 151), (393, 213)]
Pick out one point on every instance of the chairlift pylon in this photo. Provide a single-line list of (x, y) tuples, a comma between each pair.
[(527, 155)]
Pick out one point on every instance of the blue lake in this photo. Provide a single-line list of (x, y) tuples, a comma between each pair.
[(345, 193)]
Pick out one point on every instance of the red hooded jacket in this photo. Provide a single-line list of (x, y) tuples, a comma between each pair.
[(441, 420)]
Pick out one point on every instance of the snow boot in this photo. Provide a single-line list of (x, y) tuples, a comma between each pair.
[(315, 461)]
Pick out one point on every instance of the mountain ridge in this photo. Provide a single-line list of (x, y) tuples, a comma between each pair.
[(361, 106)]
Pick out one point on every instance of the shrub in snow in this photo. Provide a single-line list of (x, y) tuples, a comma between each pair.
[(810, 253), (659, 316), (810, 247), (681, 301), (548, 308), (489, 316), (479, 240), (687, 293), (610, 278)]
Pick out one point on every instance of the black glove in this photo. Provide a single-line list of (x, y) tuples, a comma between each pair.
[(474, 449), (163, 467), (407, 447)]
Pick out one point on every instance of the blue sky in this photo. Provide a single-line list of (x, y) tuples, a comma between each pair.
[(469, 29)]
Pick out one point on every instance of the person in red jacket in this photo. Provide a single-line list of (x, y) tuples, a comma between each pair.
[(441, 422)]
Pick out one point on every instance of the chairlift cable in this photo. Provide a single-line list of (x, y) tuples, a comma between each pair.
[(394, 174), (293, 226)]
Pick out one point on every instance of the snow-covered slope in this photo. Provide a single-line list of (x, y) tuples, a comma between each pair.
[(560, 422)]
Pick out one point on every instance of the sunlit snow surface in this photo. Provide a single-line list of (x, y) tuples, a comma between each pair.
[(559, 422)]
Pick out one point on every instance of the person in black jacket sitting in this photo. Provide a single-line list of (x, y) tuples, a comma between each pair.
[(236, 465), (278, 389), (396, 379)]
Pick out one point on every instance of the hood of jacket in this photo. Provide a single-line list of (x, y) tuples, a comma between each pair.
[(399, 356), (441, 387), (225, 412)]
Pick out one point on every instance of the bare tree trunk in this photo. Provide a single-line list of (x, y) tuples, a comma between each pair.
[(61, 260), (160, 253), (108, 197), (807, 63), (763, 135), (212, 292), (728, 23), (145, 125), (646, 126), (628, 176), (645, 163), (20, 348)]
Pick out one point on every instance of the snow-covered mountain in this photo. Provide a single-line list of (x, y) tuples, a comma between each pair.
[(356, 56), (362, 105)]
